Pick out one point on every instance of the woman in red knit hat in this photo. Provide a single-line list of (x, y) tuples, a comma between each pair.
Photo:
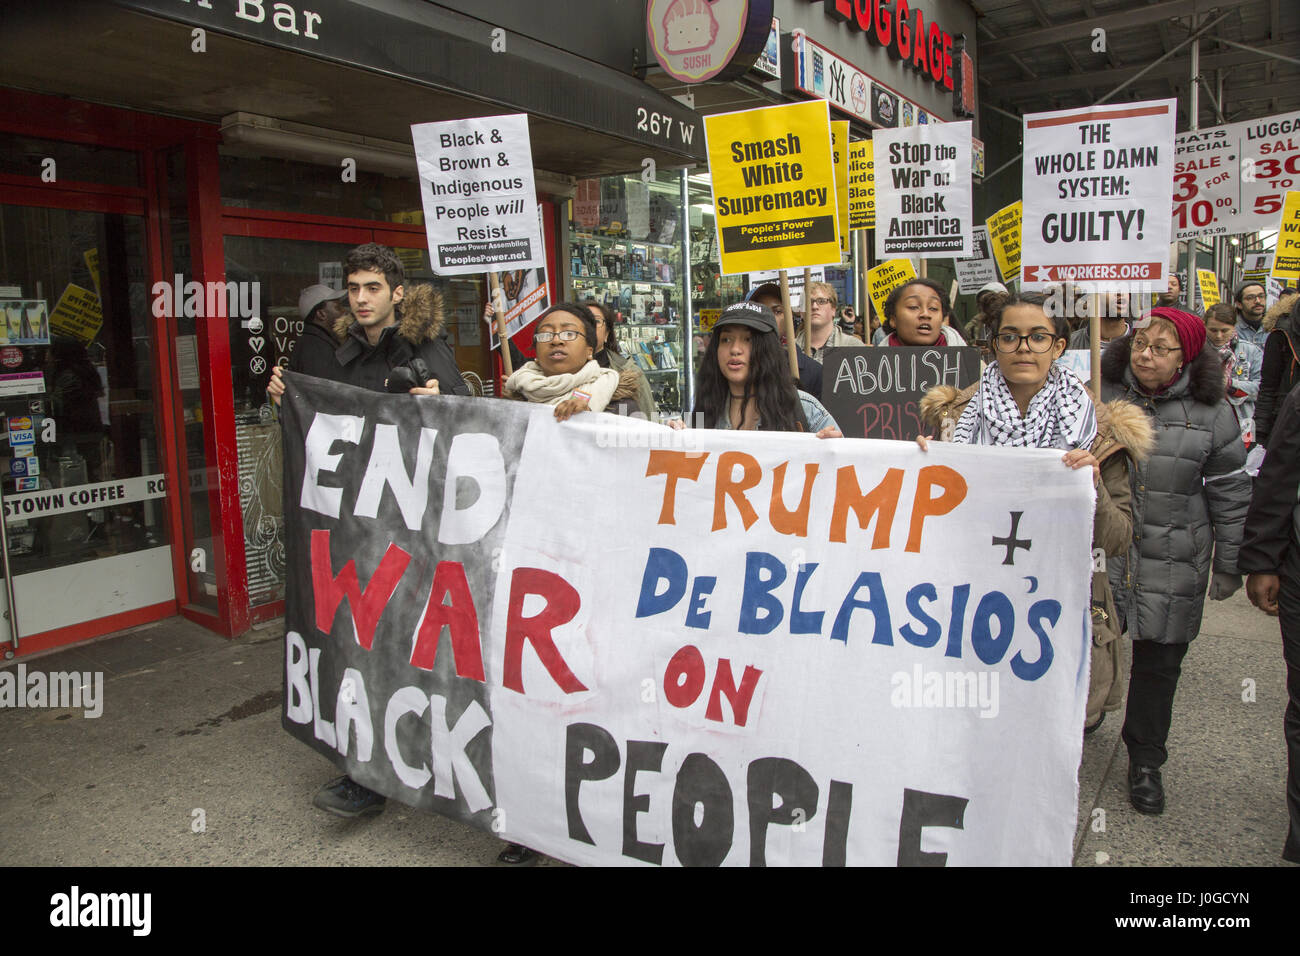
[(1190, 497)]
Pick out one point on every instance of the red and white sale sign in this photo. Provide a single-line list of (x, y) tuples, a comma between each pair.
[(1232, 178)]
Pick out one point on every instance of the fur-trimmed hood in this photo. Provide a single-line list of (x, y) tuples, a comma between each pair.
[(1121, 425), (1201, 379), (629, 380), (420, 315), (1277, 312)]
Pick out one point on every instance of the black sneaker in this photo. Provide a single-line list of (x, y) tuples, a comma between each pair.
[(516, 854), (345, 797)]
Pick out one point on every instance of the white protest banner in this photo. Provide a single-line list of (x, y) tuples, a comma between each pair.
[(1096, 206), (476, 184), (792, 652), (1231, 178), (980, 269), (795, 280), (923, 190)]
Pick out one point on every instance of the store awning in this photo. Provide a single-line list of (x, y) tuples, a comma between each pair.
[(587, 118)]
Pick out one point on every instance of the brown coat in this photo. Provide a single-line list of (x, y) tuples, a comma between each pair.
[(1124, 433)]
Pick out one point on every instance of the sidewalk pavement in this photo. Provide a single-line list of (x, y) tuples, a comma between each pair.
[(190, 734)]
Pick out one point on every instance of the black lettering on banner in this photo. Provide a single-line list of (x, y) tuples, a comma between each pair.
[(604, 764), (839, 805), (701, 782), (776, 777), (921, 810), (641, 755)]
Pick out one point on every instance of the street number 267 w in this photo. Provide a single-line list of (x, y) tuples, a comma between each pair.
[(648, 121)]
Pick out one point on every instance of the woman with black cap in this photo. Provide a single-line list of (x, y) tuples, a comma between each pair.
[(745, 383), (1190, 497)]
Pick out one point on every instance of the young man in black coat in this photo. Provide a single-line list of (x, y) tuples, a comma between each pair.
[(1270, 554), (369, 342)]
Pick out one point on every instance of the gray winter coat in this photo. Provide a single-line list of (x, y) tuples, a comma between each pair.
[(1190, 495)]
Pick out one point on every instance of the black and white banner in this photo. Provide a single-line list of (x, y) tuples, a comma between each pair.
[(746, 649)]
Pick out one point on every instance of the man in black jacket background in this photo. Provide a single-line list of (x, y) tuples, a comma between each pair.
[(367, 343), (1270, 554)]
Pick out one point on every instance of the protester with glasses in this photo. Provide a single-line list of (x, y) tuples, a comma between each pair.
[(1189, 502), (822, 304), (1251, 301), (565, 374), (1025, 400)]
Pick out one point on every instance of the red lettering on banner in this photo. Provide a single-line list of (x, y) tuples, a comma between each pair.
[(562, 603), (366, 606), (674, 465), (739, 698), (459, 618), (725, 486), (684, 677), (923, 506)]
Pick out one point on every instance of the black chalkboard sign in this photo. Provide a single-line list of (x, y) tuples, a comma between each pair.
[(876, 392)]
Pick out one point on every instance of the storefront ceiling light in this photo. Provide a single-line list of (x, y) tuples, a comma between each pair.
[(285, 140)]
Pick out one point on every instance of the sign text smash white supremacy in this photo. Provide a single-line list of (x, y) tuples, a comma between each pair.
[(792, 652)]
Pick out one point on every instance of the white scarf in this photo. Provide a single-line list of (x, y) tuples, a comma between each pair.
[(536, 386), (1061, 415)]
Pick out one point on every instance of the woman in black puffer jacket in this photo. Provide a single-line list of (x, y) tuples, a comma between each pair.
[(1189, 502)]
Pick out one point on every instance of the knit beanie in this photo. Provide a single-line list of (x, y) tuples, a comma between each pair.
[(1190, 329)]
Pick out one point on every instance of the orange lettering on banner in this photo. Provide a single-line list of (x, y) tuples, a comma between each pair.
[(882, 500), (923, 506), (674, 465), (725, 486), (782, 520)]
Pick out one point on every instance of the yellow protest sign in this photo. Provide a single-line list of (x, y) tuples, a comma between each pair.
[(1209, 286), (1286, 257), (77, 315), (1004, 237), (862, 186), (840, 155), (92, 263), (709, 318), (886, 277), (773, 187)]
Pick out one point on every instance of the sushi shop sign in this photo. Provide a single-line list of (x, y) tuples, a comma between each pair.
[(698, 40)]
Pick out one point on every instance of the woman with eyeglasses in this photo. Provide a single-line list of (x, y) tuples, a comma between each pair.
[(1025, 400), (1189, 501), (565, 374)]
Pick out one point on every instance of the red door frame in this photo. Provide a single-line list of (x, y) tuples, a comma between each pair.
[(149, 136)]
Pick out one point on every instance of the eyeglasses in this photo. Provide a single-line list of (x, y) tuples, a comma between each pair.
[(1140, 345), (1260, 297), (820, 302), (568, 335), (1010, 342)]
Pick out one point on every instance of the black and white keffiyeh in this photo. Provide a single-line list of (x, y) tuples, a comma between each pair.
[(1061, 415)]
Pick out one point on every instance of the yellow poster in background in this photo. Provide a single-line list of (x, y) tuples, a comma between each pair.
[(1286, 257), (773, 187), (885, 278), (709, 318), (92, 263), (840, 154), (1004, 237), (862, 185), (78, 314), (1209, 287)]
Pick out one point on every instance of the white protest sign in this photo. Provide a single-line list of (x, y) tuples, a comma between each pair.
[(1232, 178), (794, 279), (980, 269), (476, 184), (1096, 196), (923, 190)]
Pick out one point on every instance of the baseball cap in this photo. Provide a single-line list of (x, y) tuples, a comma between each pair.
[(991, 287), (313, 296), (749, 314), (767, 288)]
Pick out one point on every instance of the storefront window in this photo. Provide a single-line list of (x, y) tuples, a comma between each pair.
[(55, 161), (294, 187), (625, 251), (81, 468), (710, 290)]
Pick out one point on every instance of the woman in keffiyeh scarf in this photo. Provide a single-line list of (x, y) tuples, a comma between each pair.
[(1025, 400)]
